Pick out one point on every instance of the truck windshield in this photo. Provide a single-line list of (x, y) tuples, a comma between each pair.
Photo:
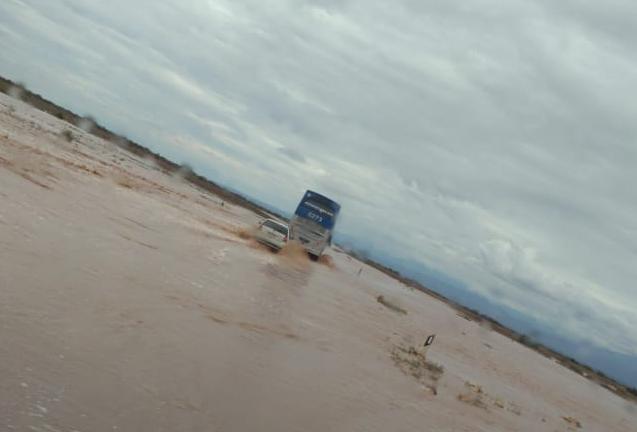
[(276, 226)]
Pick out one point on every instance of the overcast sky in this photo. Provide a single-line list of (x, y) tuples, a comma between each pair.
[(493, 141)]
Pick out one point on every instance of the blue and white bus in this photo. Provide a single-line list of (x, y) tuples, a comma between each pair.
[(313, 222)]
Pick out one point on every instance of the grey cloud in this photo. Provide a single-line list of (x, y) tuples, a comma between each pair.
[(292, 154)]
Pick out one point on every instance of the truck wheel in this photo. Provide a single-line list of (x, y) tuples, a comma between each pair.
[(313, 257)]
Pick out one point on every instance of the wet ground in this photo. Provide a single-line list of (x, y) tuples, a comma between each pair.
[(132, 301)]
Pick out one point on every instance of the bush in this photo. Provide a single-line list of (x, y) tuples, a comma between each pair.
[(67, 135)]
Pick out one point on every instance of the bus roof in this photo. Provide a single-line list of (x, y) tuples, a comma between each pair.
[(322, 199)]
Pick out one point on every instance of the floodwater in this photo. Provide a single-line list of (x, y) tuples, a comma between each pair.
[(132, 301)]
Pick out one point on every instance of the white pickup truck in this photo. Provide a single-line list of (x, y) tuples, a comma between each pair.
[(272, 233)]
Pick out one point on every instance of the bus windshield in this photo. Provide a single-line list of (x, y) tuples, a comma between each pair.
[(318, 209)]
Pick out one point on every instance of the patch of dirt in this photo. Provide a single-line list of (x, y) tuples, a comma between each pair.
[(391, 305), (477, 397), (474, 396), (35, 165), (32, 169), (79, 167), (414, 363), (573, 423), (464, 315), (127, 182), (87, 156)]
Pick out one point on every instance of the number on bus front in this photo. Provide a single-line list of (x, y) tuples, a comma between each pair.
[(314, 217)]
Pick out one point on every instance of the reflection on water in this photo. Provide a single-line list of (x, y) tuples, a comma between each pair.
[(251, 380)]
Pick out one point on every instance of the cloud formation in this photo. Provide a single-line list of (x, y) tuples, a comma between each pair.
[(491, 141)]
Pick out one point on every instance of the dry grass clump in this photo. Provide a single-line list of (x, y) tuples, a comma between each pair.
[(413, 363), (67, 135), (389, 304), (126, 182), (474, 396), (477, 397), (573, 422)]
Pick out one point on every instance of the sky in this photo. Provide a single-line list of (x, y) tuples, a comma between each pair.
[(490, 142)]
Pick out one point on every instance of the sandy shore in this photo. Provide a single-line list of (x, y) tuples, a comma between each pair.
[(132, 301)]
